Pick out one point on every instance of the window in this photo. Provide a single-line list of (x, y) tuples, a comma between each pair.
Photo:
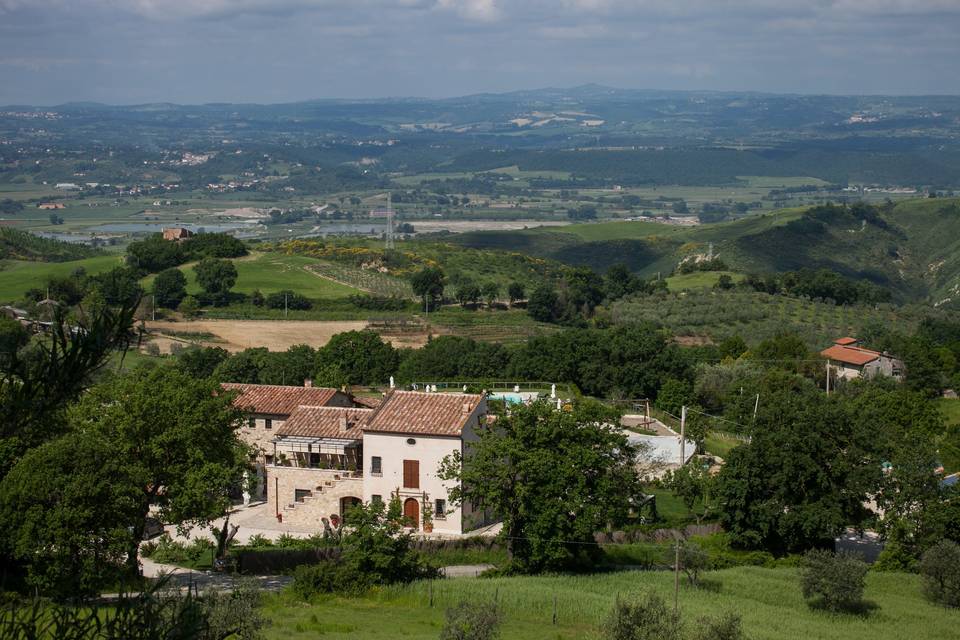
[(268, 424), (300, 494), (252, 423), (376, 466), (376, 499), (268, 459), (440, 509), (411, 474)]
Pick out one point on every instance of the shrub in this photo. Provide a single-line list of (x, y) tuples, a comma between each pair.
[(471, 621), (259, 541), (329, 577), (724, 627), (834, 581), (940, 569), (647, 619), (288, 299), (693, 560)]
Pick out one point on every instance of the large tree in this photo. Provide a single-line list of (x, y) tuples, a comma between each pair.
[(554, 476), (176, 439), (361, 356), (216, 276), (428, 284), (170, 288)]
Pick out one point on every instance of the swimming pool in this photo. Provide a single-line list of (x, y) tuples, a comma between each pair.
[(509, 398)]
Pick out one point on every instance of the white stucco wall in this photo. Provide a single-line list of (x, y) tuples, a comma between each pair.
[(429, 451)]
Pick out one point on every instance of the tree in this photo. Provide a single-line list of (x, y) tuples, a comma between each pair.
[(65, 509), (673, 395), (516, 292), (361, 356), (555, 477), (693, 561), (691, 483), (55, 219), (542, 305), (176, 437), (119, 286), (170, 288), (491, 291), (467, 292), (834, 581), (244, 366), (680, 206), (940, 569), (189, 307), (293, 366), (725, 282), (288, 299), (428, 283), (216, 277), (804, 476), (201, 362)]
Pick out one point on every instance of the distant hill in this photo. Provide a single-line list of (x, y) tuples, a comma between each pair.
[(911, 248), (21, 245)]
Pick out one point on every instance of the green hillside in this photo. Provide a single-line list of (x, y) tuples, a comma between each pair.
[(911, 248), (21, 245)]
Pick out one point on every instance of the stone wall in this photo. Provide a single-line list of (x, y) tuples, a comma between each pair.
[(328, 487)]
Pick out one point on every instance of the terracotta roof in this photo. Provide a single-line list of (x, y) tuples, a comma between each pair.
[(442, 414), (850, 355), (370, 402), (276, 399), (325, 422), (845, 342)]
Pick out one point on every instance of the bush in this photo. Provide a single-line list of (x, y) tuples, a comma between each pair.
[(693, 560), (725, 627), (940, 569), (259, 541), (834, 581), (647, 619), (328, 577), (471, 621), (288, 299)]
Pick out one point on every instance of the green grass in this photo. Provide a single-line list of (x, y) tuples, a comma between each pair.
[(719, 444), (769, 601), (699, 280), (17, 276), (951, 409), (271, 272)]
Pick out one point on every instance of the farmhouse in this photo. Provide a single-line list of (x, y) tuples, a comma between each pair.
[(51, 205), (850, 361), (176, 234), (319, 451)]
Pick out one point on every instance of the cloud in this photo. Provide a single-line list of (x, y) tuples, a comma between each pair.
[(478, 10)]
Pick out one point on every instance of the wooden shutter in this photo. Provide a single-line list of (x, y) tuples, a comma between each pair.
[(411, 474)]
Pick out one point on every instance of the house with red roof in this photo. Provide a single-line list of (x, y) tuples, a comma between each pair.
[(320, 450), (849, 360)]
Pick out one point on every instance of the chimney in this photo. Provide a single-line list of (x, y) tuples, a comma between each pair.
[(308, 383), (344, 425), (466, 407)]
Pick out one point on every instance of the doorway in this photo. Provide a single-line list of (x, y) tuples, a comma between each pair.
[(411, 512)]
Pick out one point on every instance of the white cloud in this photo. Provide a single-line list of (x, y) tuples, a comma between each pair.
[(479, 10)]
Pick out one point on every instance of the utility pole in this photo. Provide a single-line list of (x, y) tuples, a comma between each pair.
[(153, 307), (284, 305), (828, 378), (676, 578), (683, 441), (756, 405)]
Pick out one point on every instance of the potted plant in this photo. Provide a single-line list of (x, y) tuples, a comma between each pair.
[(427, 517)]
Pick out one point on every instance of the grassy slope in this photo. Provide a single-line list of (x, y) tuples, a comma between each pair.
[(699, 280), (17, 276), (273, 272), (768, 599)]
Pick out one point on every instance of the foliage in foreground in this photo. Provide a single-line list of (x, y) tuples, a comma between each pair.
[(157, 613), (375, 551)]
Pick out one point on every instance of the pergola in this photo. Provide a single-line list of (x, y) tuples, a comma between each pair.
[(320, 453)]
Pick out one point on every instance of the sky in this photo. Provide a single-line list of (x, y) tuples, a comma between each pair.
[(268, 51)]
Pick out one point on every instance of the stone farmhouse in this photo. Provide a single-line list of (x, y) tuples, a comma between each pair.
[(320, 450), (850, 361)]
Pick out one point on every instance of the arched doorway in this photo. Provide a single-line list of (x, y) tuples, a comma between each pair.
[(348, 503), (411, 512)]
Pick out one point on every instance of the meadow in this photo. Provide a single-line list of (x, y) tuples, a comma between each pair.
[(768, 599), (17, 276)]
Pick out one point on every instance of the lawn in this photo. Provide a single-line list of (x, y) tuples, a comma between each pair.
[(17, 276), (769, 601), (951, 409)]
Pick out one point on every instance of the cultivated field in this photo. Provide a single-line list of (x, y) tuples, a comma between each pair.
[(276, 335)]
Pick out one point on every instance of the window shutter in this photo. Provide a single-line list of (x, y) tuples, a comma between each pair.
[(411, 474)]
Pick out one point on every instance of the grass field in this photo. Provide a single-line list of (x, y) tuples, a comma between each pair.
[(769, 601), (17, 276), (951, 409), (699, 280), (271, 272)]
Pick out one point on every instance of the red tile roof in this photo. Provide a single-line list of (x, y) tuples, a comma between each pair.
[(845, 341), (370, 402), (276, 399), (417, 412), (850, 355), (325, 422)]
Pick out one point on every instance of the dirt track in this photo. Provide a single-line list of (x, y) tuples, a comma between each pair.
[(276, 335)]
